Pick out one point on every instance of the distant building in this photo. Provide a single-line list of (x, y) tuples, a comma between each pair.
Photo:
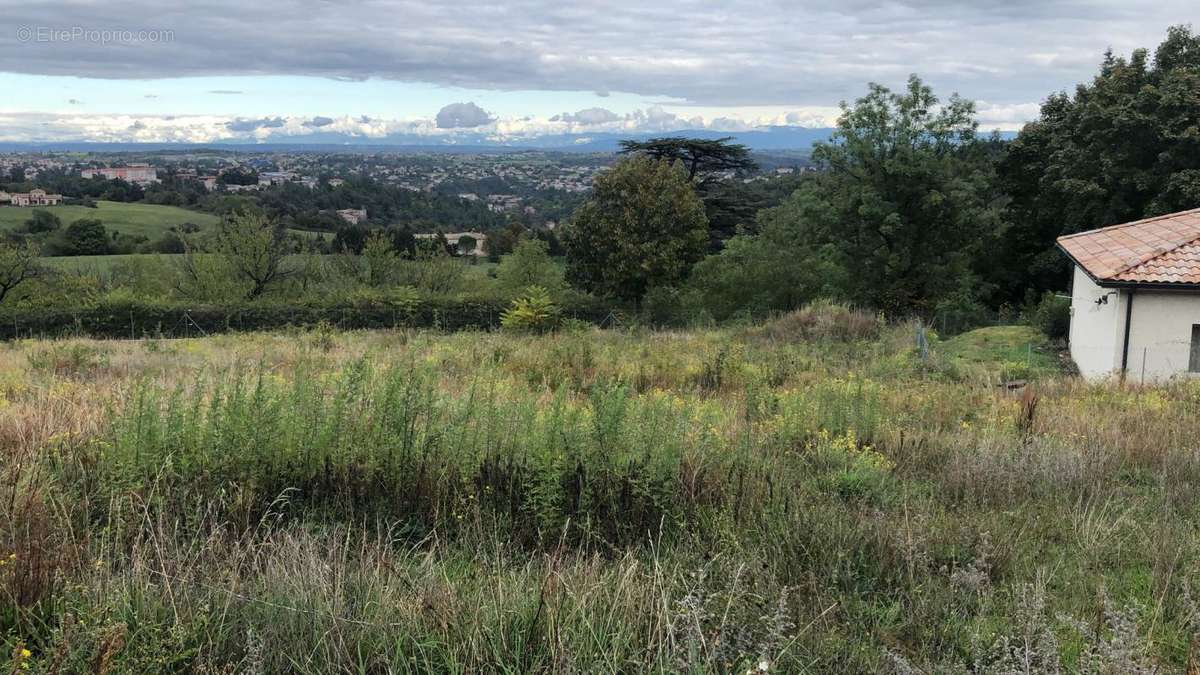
[(352, 216), (142, 174), (210, 182), (276, 177), (234, 187), (453, 238), (5, 198), (500, 203), (336, 182), (36, 197)]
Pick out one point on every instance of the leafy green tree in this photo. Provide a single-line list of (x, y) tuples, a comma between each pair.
[(248, 252), (466, 244), (528, 265), (18, 264), (381, 259), (643, 226), (432, 268), (1122, 148), (351, 239), (501, 242), (42, 221), (86, 236), (238, 176), (778, 269), (709, 163), (903, 201)]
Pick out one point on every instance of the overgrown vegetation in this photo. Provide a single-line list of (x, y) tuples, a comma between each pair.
[(814, 495)]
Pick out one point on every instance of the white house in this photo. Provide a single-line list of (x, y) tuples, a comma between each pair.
[(1135, 298), (35, 197)]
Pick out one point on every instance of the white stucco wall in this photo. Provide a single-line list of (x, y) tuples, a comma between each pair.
[(1160, 335), (1160, 331), (1096, 329)]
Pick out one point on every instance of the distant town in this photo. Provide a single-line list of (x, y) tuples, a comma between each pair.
[(322, 192)]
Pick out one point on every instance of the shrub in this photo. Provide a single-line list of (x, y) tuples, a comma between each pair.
[(535, 311), (71, 360), (401, 307), (529, 265), (1051, 315), (824, 320), (960, 312)]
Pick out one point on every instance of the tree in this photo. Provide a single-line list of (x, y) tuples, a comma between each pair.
[(351, 239), (705, 160), (727, 203), (403, 241), (432, 268), (903, 201), (18, 264), (778, 269), (643, 226), (238, 176), (380, 257), (86, 236), (502, 242), (1122, 148), (529, 265), (251, 248), (466, 244), (42, 221)]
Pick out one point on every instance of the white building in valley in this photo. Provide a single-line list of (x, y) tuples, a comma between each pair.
[(142, 174), (1135, 298), (35, 197)]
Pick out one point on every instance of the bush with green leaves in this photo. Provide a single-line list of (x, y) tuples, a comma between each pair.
[(1051, 315), (642, 227), (532, 312), (528, 265)]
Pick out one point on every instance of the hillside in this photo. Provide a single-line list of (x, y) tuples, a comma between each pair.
[(137, 219)]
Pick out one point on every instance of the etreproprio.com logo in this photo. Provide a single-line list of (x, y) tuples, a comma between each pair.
[(101, 36)]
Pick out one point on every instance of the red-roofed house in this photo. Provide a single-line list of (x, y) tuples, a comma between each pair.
[(1135, 298)]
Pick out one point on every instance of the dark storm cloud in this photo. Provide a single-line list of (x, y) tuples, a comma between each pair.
[(253, 124), (739, 52), (462, 116)]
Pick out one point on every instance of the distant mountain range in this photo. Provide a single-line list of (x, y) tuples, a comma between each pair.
[(765, 139)]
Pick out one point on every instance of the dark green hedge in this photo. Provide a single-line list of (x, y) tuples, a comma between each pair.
[(156, 320)]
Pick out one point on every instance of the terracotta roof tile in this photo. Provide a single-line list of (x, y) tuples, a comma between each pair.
[(1164, 249)]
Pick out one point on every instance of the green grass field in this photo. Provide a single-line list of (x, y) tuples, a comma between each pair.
[(808, 496), (146, 220), (96, 264)]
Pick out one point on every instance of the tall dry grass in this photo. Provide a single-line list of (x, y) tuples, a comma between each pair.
[(585, 502)]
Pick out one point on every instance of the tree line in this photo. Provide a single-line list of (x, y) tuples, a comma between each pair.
[(911, 210)]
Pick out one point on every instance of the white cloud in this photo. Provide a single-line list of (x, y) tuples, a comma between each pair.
[(42, 127)]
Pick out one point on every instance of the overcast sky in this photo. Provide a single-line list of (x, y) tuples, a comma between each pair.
[(210, 69)]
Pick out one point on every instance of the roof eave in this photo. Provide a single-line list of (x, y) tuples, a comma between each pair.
[(1113, 283)]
